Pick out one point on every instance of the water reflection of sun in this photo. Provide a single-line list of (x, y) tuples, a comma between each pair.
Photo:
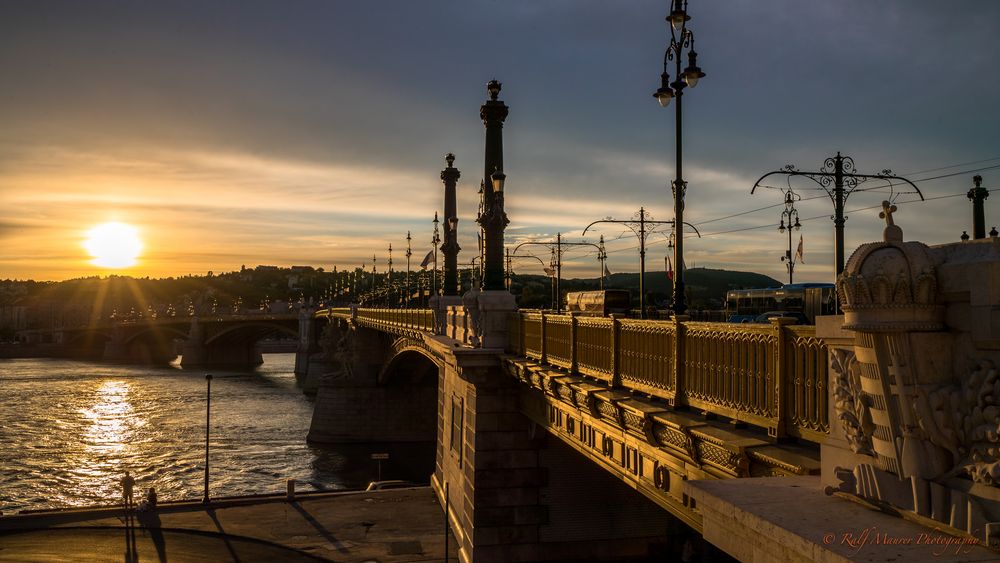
[(112, 423)]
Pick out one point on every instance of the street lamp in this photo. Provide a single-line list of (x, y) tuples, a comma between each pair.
[(435, 241), (555, 262), (681, 38), (602, 255), (789, 213), (840, 173), (208, 418), (409, 252), (388, 282), (642, 227)]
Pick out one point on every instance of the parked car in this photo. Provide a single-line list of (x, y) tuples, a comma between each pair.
[(800, 318), (390, 484)]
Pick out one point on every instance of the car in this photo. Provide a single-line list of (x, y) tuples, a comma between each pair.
[(390, 484), (798, 316)]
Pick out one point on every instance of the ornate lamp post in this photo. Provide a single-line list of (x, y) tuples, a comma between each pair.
[(838, 173), (789, 213), (602, 255), (493, 218), (435, 241), (409, 252), (642, 227), (450, 248), (555, 263), (978, 195), (388, 281), (681, 38)]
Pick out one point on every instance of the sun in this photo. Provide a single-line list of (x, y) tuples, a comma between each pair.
[(113, 245)]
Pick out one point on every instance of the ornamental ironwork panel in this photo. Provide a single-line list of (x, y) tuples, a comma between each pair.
[(806, 362), (559, 340), (595, 347), (730, 369), (532, 326), (646, 352)]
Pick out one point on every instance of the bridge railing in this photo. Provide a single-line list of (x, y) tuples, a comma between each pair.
[(772, 376), (414, 319)]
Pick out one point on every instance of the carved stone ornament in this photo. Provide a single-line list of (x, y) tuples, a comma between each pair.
[(345, 352), (470, 305), (890, 285), (850, 403), (965, 421)]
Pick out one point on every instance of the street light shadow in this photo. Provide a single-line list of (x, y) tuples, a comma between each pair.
[(319, 528), (222, 533)]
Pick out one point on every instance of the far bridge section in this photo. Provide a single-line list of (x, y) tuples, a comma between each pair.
[(207, 340), (558, 436)]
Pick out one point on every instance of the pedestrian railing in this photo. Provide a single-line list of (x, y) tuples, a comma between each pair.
[(773, 376), (412, 319)]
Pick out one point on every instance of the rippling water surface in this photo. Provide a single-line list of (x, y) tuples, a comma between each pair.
[(69, 430)]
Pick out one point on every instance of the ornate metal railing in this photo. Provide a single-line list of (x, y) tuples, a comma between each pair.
[(394, 320), (773, 376)]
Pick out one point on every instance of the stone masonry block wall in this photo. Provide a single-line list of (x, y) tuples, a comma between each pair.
[(374, 414)]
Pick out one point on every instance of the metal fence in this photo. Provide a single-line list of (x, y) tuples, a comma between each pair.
[(413, 319)]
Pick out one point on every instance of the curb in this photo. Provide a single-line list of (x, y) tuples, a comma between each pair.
[(174, 530), (25, 519)]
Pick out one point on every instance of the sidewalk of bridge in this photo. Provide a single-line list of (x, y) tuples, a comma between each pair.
[(387, 526)]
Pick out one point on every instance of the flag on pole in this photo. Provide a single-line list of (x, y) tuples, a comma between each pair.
[(549, 272), (427, 260), (670, 268), (798, 253)]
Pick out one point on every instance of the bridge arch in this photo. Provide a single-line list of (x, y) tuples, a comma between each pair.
[(245, 331), (411, 362)]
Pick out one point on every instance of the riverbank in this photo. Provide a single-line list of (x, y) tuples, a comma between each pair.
[(400, 525)]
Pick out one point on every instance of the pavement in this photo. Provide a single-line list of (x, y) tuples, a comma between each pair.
[(399, 525)]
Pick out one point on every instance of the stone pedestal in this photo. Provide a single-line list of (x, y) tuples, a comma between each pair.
[(495, 308), (440, 304)]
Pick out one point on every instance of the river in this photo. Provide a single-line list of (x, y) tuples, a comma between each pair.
[(69, 430)]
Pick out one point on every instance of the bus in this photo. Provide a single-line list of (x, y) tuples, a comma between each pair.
[(599, 303), (810, 299)]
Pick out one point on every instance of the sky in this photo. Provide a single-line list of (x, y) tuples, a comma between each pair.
[(234, 133)]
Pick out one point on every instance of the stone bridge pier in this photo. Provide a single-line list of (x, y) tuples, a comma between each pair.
[(140, 347), (513, 492)]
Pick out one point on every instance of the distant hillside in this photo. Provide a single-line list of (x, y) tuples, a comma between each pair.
[(706, 288)]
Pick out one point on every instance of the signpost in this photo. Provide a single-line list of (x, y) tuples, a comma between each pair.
[(379, 458)]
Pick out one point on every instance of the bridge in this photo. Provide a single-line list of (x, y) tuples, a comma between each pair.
[(561, 436), (203, 340)]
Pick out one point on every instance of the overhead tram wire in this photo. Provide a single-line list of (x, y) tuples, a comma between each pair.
[(873, 188), (632, 247)]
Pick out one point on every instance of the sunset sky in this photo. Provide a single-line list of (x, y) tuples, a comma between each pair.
[(314, 132)]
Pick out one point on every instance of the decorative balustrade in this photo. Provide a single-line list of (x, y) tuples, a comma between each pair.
[(410, 319), (772, 376)]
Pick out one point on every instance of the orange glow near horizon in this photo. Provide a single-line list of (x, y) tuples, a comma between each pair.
[(113, 245)]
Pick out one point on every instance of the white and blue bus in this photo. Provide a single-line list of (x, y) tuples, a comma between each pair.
[(810, 299)]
